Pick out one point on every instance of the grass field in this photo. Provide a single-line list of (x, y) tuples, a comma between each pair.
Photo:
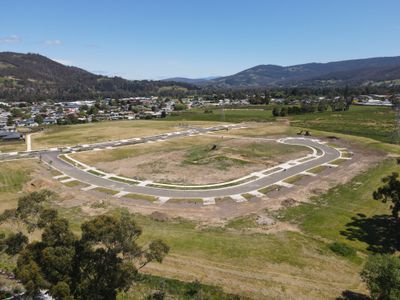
[(13, 175), (12, 147), (236, 115), (366, 121), (371, 122), (235, 252), (254, 264), (56, 136), (330, 215)]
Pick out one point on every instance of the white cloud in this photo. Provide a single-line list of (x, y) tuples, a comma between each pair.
[(11, 39), (62, 61), (53, 42)]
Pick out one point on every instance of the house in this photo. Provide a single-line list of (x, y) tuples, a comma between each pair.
[(49, 121), (3, 134), (27, 123), (12, 136), (9, 128)]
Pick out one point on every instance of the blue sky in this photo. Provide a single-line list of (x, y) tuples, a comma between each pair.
[(166, 38)]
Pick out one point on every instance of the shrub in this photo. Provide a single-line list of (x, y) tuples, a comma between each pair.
[(342, 249)]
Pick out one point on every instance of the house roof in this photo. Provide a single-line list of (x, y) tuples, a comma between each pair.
[(12, 136)]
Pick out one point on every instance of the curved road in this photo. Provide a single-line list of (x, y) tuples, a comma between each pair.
[(329, 154)]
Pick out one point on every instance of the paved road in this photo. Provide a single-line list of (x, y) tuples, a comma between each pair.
[(188, 132), (329, 154)]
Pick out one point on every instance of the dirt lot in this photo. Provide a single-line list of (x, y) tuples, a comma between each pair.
[(193, 160), (302, 191)]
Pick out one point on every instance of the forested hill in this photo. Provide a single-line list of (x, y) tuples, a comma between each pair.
[(333, 74), (35, 77)]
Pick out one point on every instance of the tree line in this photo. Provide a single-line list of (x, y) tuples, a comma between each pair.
[(311, 107)]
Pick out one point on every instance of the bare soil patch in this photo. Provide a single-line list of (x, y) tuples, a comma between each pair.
[(199, 164)]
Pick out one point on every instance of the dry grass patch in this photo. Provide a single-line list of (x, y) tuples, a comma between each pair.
[(105, 191), (347, 154), (318, 169), (75, 183), (259, 130), (185, 200), (269, 189), (13, 175), (57, 136), (141, 197), (338, 161), (248, 196), (294, 179), (12, 147)]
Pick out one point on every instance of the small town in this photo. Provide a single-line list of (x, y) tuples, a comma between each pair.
[(17, 118)]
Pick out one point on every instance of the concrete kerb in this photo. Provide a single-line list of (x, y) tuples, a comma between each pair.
[(209, 201), (162, 200), (239, 181), (284, 184), (238, 198)]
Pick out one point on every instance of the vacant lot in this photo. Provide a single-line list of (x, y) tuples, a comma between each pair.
[(12, 147), (261, 129), (56, 136), (347, 210), (195, 160)]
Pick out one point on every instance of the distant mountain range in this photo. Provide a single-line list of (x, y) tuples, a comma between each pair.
[(338, 73), (35, 77)]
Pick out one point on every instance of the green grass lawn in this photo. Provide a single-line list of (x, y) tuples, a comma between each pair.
[(13, 175), (329, 215), (236, 115), (371, 122)]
